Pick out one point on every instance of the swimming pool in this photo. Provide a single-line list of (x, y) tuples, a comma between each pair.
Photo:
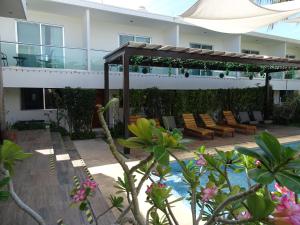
[(180, 189)]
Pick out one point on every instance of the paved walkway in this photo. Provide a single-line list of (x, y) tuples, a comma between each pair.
[(45, 180)]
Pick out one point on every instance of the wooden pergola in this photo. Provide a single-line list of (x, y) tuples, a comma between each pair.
[(141, 54)]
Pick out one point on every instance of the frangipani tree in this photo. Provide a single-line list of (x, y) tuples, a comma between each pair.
[(218, 201)]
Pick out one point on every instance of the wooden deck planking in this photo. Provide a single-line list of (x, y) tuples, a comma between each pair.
[(45, 190)]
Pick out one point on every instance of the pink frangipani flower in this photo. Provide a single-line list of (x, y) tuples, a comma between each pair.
[(208, 193), (90, 184), (244, 215), (79, 196), (287, 212), (201, 161)]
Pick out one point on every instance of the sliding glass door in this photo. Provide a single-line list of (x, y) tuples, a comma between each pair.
[(40, 44)]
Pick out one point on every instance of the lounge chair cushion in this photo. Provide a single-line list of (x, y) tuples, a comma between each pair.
[(169, 122)]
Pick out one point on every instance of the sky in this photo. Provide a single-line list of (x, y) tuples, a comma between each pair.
[(176, 7)]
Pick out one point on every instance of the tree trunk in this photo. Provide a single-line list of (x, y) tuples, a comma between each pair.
[(2, 110)]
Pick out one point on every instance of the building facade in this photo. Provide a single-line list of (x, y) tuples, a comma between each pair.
[(62, 44)]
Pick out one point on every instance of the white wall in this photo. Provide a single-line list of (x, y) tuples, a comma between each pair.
[(73, 26), (7, 31), (105, 35), (55, 78), (50, 78), (12, 101)]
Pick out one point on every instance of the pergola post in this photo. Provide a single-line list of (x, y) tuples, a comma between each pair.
[(125, 62), (267, 97), (106, 89)]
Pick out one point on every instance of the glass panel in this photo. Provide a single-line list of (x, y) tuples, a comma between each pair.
[(193, 45), (52, 35), (97, 61), (75, 59), (31, 98), (207, 47), (125, 38), (28, 33), (143, 39)]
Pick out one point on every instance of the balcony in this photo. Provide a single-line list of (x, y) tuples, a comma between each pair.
[(43, 56)]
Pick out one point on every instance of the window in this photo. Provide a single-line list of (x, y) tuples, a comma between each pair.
[(38, 98), (39, 42), (201, 46), (197, 71), (247, 51), (32, 98), (124, 38), (290, 56)]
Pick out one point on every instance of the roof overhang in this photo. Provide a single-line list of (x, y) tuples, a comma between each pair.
[(13, 9)]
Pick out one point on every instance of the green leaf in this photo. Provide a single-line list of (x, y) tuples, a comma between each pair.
[(255, 153), (293, 164), (133, 142), (259, 206), (270, 145), (161, 155), (4, 195), (261, 176), (291, 181), (4, 182), (83, 206)]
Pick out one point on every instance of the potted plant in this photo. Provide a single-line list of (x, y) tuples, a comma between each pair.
[(10, 133)]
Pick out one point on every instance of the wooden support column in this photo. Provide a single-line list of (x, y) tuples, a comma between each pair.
[(125, 59), (267, 97), (106, 89)]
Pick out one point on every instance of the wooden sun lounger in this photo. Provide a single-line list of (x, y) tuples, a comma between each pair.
[(191, 128), (134, 118), (231, 121), (219, 129)]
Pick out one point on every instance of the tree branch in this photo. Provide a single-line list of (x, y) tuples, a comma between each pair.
[(231, 199), (136, 210), (141, 163), (34, 215), (243, 221)]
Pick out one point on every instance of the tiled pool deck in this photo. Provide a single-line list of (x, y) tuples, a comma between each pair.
[(106, 170)]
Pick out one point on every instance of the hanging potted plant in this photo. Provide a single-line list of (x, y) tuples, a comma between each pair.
[(145, 70)]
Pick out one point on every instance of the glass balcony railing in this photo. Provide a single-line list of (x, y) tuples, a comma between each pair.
[(43, 56)]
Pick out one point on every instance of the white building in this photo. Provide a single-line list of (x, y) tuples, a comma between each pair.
[(62, 44)]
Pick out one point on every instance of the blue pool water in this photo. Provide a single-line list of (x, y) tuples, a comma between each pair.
[(180, 189)]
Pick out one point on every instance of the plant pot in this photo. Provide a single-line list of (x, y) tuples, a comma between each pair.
[(11, 135)]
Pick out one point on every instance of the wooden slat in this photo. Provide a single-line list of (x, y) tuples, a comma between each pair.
[(166, 48)]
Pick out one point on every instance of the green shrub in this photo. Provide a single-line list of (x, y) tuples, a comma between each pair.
[(83, 135), (30, 125), (118, 130), (157, 103)]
